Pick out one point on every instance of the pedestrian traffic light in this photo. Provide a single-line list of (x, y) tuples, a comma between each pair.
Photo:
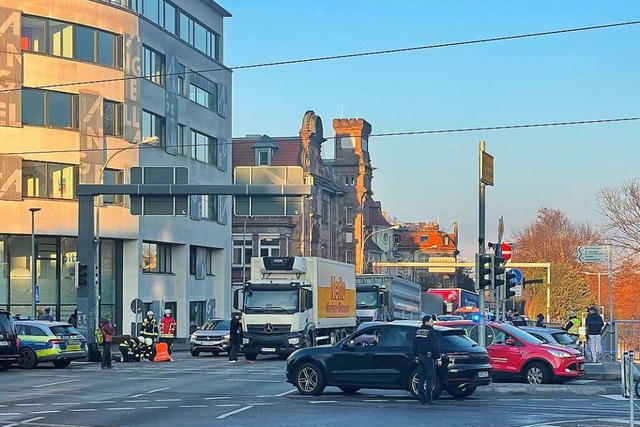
[(512, 282), (498, 271), (81, 275), (484, 271)]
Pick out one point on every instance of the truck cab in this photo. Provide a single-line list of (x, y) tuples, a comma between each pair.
[(369, 298)]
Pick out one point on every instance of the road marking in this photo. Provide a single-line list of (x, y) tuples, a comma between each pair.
[(228, 414), (323, 401), (156, 407), (230, 405), (279, 394), (217, 398), (168, 400), (510, 400), (83, 410), (56, 383), (580, 382), (120, 409), (542, 400), (29, 404), (24, 422), (103, 402), (62, 403), (375, 400), (576, 400), (149, 392), (9, 414), (136, 401), (193, 406), (46, 412), (150, 378)]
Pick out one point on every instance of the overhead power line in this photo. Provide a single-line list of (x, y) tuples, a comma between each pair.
[(348, 55), (379, 135)]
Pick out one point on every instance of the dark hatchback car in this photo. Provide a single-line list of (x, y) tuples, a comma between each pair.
[(8, 341), (358, 361)]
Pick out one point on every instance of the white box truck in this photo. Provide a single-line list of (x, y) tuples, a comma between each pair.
[(295, 302), (401, 297)]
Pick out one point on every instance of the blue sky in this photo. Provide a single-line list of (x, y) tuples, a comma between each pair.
[(580, 76)]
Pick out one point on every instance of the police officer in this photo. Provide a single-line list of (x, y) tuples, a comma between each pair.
[(573, 326), (426, 349), (149, 327)]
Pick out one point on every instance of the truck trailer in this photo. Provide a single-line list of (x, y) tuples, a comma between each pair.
[(401, 296), (295, 302), (456, 298)]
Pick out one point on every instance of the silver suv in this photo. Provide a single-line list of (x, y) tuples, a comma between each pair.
[(212, 337)]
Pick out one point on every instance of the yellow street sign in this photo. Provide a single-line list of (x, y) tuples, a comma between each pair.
[(486, 173)]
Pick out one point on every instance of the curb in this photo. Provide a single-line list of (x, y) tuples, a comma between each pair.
[(549, 388)]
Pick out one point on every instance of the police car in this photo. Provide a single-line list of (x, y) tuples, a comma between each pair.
[(55, 342)]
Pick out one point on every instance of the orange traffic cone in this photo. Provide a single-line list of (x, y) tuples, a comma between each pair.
[(162, 352)]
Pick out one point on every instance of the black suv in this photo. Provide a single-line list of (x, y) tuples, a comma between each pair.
[(8, 341), (358, 361)]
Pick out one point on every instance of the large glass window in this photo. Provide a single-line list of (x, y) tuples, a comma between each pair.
[(170, 18), (202, 97), (209, 207), (183, 147), (85, 43), (51, 180), (113, 176), (33, 107), (203, 147), (199, 36), (156, 257), (238, 258), (269, 246), (34, 34), (197, 313), (20, 262), (60, 39), (185, 28), (48, 108), (69, 254), (153, 66), (107, 48), (151, 10), (62, 179), (112, 116), (153, 125), (34, 179)]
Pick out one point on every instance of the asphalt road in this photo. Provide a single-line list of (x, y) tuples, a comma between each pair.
[(207, 391)]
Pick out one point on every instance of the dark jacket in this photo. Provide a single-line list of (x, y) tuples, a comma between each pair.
[(594, 324), (540, 323), (235, 331), (426, 344)]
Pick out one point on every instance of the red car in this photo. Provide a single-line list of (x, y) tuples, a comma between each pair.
[(514, 352)]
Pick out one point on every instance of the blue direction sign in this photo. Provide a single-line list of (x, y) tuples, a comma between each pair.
[(36, 294), (518, 274)]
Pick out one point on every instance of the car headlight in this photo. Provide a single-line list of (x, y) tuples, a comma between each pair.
[(226, 337), (193, 336), (559, 353), (294, 341)]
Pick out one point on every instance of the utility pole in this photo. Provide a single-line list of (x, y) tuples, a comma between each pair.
[(612, 341), (485, 176)]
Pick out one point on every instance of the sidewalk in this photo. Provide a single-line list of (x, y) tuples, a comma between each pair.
[(605, 371)]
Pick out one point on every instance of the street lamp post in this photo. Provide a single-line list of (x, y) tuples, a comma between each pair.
[(244, 250), (599, 274), (147, 141), (34, 264), (393, 227)]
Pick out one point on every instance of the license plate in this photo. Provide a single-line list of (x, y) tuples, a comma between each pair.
[(73, 342), (4, 343), (483, 374), (269, 350), (582, 367)]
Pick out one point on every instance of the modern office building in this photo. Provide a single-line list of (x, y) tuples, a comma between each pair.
[(86, 84)]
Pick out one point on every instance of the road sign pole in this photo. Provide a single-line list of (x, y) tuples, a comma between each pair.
[(481, 237), (612, 339)]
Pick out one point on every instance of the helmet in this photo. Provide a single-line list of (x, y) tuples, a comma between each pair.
[(167, 311), (149, 313), (148, 341)]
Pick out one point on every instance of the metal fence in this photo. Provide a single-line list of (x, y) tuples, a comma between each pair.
[(628, 338)]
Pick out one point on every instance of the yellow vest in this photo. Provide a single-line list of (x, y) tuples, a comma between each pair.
[(575, 329)]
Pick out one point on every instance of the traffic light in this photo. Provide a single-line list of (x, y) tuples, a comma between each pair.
[(81, 274), (498, 271), (484, 271), (510, 278)]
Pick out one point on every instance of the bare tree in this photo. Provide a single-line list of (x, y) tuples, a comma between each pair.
[(620, 207)]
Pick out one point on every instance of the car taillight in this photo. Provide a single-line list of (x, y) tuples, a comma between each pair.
[(57, 341), (17, 342)]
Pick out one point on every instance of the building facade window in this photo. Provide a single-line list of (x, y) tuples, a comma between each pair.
[(204, 148), (263, 156), (182, 80), (209, 259), (71, 41), (49, 180), (209, 207), (199, 36), (112, 118), (424, 238), (197, 315), (203, 97), (112, 176), (348, 256), (48, 108), (350, 180), (348, 213), (154, 125), (183, 146), (238, 259), (156, 257), (153, 66), (269, 246)]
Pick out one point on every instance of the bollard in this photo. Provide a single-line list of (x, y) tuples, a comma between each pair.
[(624, 375)]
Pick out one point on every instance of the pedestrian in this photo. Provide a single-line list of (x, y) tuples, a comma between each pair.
[(73, 319), (382, 314), (540, 323), (426, 349), (594, 324), (168, 326), (509, 317), (235, 338), (39, 313), (108, 331), (46, 316), (573, 326), (149, 327)]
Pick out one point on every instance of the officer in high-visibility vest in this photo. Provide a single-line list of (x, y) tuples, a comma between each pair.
[(149, 327), (573, 325)]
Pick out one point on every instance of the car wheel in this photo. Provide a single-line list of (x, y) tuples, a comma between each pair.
[(27, 359), (61, 363), (310, 380), (251, 356), (349, 390), (413, 385), (195, 353), (537, 373), (461, 393)]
